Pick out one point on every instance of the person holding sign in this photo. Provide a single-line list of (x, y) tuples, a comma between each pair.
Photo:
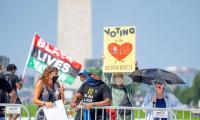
[(160, 99), (47, 89), (122, 94)]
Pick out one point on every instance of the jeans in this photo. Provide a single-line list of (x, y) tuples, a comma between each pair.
[(2, 118)]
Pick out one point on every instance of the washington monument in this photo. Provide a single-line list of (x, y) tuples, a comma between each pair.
[(74, 31)]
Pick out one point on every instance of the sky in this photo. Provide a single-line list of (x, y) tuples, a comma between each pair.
[(167, 31)]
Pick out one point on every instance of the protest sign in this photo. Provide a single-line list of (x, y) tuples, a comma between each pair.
[(119, 49), (57, 112)]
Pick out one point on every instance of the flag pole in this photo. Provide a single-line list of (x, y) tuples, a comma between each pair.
[(28, 57)]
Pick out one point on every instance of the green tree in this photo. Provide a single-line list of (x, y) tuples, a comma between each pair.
[(192, 94), (184, 95), (196, 89)]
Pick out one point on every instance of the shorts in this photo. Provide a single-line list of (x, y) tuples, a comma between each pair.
[(2, 118), (18, 101)]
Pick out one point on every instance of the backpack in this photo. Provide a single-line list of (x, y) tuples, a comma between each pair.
[(125, 102)]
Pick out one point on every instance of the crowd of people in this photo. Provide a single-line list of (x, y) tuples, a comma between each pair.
[(93, 92)]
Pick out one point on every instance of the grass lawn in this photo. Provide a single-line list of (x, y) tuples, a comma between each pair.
[(32, 110)]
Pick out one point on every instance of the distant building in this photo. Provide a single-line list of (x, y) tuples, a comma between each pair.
[(4, 61), (93, 62)]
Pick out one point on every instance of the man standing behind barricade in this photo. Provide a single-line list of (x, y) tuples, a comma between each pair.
[(15, 83), (95, 93), (83, 76)]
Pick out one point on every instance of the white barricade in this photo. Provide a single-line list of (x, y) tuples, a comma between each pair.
[(134, 113), (15, 109)]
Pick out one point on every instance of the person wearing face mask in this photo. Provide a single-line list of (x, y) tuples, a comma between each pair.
[(94, 93), (159, 98), (48, 90), (83, 76)]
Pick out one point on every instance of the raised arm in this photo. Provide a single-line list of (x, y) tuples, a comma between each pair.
[(62, 94)]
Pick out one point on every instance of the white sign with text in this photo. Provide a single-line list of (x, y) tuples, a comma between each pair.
[(57, 112)]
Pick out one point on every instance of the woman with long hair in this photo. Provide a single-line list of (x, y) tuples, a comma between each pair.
[(47, 89)]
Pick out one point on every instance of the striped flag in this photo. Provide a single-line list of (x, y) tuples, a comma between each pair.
[(43, 54)]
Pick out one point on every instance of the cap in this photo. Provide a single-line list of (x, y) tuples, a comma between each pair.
[(85, 73), (95, 70)]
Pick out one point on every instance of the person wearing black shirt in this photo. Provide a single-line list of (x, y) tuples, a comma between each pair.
[(15, 83), (5, 86), (83, 76), (95, 93), (3, 93)]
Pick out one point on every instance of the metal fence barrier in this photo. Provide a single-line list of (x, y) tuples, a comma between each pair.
[(15, 109), (135, 113)]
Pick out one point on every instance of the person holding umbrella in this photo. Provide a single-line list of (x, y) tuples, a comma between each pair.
[(159, 98)]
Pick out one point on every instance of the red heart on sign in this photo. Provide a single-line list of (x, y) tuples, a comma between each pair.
[(119, 51)]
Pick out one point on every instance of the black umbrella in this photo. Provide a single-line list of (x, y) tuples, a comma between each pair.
[(148, 76)]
